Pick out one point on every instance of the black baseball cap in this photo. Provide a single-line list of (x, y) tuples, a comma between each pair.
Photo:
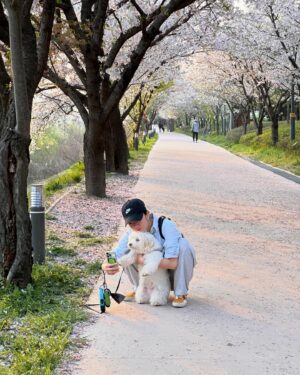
[(133, 210)]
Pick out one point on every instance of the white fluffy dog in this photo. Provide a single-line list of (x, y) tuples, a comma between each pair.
[(154, 283)]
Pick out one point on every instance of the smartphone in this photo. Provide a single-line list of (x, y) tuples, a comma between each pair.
[(111, 257)]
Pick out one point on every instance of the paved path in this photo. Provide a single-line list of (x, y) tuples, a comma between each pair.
[(243, 316)]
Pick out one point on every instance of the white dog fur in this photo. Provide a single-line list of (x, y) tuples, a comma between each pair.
[(154, 283)]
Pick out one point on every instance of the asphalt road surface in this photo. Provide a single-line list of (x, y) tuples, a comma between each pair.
[(243, 313)]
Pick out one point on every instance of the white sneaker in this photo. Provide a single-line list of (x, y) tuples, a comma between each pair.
[(130, 296), (180, 301)]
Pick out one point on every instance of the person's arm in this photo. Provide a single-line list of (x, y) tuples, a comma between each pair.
[(171, 246), (172, 238), (166, 264)]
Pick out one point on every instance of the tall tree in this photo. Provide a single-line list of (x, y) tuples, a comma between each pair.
[(28, 61)]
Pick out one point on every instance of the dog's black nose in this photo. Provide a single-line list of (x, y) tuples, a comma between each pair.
[(130, 244)]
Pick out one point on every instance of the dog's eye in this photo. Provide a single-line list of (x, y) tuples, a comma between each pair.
[(137, 239)]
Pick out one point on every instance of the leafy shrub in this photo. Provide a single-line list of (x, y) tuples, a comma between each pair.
[(70, 176), (234, 135)]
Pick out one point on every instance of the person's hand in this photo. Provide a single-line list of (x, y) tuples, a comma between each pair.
[(140, 259), (110, 269)]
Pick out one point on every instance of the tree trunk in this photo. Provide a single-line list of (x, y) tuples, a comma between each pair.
[(274, 118), (109, 129), (275, 135), (260, 120), (259, 129), (27, 65), (116, 148), (217, 124), (94, 137), (109, 145), (15, 245), (15, 226), (94, 164), (187, 120), (120, 141)]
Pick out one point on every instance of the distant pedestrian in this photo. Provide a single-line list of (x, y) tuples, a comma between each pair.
[(195, 129), (161, 127)]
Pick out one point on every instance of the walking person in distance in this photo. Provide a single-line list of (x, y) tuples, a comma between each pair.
[(195, 129)]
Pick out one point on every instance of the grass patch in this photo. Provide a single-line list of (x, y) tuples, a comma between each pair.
[(107, 240), (61, 251), (93, 268), (82, 234), (53, 237), (90, 241), (88, 227), (70, 176), (285, 154), (50, 217), (142, 153), (80, 262), (36, 322)]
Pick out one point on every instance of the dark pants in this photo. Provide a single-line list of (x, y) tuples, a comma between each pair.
[(195, 136)]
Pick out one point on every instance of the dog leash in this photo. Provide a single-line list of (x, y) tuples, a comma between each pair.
[(104, 296)]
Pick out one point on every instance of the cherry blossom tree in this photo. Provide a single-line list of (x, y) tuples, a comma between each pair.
[(280, 42), (104, 43)]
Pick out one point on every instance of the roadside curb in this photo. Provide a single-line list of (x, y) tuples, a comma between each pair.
[(51, 207), (282, 172)]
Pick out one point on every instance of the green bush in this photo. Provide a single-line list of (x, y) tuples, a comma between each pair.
[(70, 176)]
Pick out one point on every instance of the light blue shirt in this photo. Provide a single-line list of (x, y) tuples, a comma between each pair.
[(195, 126), (170, 244)]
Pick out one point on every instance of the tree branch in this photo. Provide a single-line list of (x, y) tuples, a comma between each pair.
[(127, 35), (132, 104), (70, 54), (74, 25), (119, 87), (78, 99), (47, 18), (176, 25), (99, 22), (4, 35)]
